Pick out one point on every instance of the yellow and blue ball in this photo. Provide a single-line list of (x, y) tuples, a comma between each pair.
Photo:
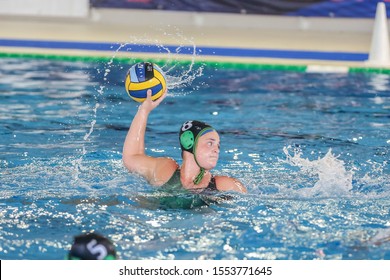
[(143, 76)]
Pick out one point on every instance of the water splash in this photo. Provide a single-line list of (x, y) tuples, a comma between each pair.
[(177, 74), (100, 92), (333, 178), (382, 236), (180, 74)]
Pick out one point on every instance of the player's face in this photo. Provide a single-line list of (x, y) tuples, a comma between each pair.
[(207, 150)]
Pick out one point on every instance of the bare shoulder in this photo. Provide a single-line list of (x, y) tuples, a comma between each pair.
[(163, 171), (225, 183)]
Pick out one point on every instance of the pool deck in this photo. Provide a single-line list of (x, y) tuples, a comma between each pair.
[(323, 42)]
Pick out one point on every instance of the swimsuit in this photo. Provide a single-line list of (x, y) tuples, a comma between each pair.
[(175, 196), (172, 195), (175, 182)]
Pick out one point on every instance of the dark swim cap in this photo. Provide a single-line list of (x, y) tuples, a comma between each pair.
[(92, 246), (190, 132)]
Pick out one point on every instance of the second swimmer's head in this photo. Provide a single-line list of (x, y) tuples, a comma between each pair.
[(92, 246)]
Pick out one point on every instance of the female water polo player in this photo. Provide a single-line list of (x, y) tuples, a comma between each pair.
[(200, 151)]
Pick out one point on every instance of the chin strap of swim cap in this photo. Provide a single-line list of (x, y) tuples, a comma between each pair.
[(189, 135), (202, 171), (200, 176)]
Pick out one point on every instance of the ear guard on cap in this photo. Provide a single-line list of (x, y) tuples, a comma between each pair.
[(187, 140)]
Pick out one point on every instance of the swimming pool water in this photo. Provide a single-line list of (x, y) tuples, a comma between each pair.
[(312, 149)]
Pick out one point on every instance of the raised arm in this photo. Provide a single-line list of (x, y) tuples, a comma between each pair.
[(135, 139), (134, 157)]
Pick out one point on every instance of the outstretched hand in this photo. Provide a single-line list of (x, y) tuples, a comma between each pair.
[(149, 104)]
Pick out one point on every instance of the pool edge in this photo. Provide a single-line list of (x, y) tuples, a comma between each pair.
[(296, 67)]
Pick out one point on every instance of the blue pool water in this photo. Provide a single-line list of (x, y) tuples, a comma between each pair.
[(312, 149)]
